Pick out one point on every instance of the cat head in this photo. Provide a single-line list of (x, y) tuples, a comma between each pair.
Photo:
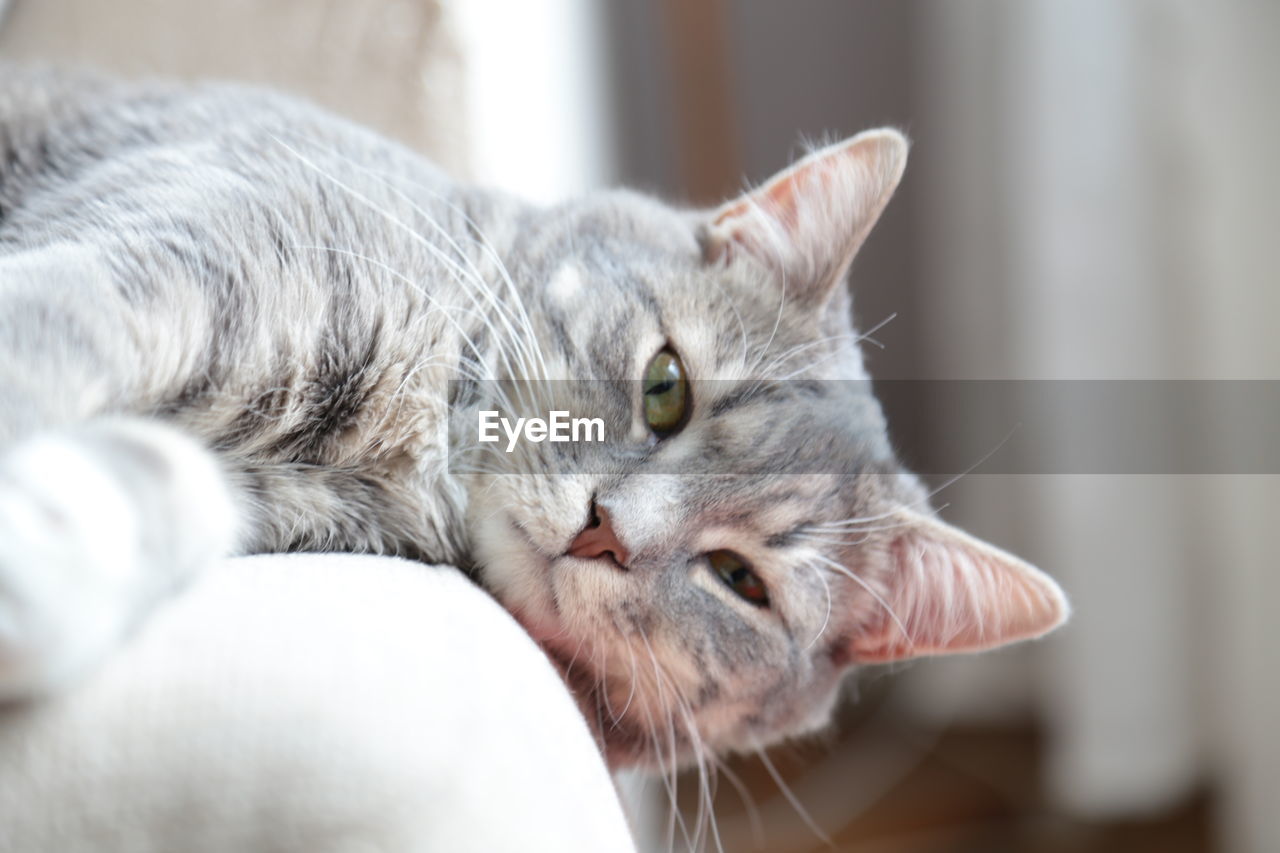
[(706, 577)]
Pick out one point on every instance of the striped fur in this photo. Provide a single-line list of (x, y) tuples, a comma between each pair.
[(260, 328)]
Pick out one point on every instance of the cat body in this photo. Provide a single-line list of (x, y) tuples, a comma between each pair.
[(231, 323)]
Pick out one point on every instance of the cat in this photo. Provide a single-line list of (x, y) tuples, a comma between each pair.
[(231, 323)]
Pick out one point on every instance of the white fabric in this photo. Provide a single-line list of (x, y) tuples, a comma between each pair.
[(312, 704)]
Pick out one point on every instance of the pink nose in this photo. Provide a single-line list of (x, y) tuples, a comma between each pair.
[(598, 539)]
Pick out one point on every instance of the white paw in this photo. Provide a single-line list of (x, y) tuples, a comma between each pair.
[(95, 526)]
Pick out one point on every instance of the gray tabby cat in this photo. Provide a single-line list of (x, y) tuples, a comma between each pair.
[(230, 323)]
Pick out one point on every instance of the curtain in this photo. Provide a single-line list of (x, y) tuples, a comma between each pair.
[(1099, 202)]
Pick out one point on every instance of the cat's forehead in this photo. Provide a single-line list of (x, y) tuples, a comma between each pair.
[(621, 222)]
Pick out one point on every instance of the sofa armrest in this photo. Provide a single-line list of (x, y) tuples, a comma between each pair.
[(312, 703)]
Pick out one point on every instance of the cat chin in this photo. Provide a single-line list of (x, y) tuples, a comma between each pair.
[(623, 739)]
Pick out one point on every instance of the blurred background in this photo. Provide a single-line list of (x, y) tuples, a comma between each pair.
[(1092, 195)]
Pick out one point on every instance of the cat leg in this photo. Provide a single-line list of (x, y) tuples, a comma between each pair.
[(74, 343), (97, 523), (100, 514)]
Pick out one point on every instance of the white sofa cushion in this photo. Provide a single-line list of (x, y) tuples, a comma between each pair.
[(312, 703)]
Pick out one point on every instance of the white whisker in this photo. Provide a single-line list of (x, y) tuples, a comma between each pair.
[(832, 564), (792, 799)]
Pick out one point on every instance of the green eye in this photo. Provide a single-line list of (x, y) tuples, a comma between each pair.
[(737, 575), (666, 393)]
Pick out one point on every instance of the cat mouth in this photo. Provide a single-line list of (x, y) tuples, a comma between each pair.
[(622, 740)]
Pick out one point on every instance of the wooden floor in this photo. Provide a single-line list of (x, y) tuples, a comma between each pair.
[(965, 791)]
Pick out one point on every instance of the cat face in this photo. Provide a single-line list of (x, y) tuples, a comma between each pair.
[(705, 577)]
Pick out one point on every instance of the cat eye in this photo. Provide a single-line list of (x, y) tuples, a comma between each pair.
[(737, 575), (665, 393)]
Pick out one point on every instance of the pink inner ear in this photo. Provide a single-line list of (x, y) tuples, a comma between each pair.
[(810, 219), (777, 198), (777, 202), (952, 593)]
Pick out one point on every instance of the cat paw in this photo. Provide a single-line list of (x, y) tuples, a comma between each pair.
[(95, 526)]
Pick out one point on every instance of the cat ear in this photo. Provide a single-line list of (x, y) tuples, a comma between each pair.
[(808, 221), (949, 592)]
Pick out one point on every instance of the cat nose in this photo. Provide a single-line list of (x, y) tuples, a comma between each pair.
[(598, 539)]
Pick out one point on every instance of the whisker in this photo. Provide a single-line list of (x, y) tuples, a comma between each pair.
[(483, 242), (748, 802), (775, 246), (826, 620), (966, 472), (862, 583), (455, 270), (672, 759), (792, 799), (866, 336)]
